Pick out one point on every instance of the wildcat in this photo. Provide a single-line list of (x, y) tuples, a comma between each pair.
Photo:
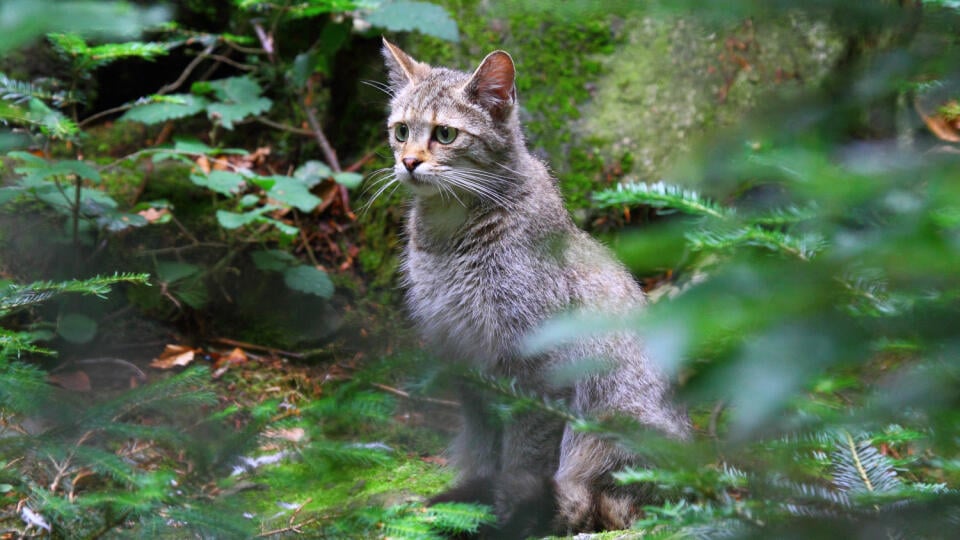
[(491, 254)]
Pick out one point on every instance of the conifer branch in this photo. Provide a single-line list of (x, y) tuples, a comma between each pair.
[(661, 195)]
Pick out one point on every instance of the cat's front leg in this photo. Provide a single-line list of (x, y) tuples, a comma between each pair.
[(524, 497), (475, 453)]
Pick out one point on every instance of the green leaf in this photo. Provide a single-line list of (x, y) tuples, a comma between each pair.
[(225, 182), (233, 220), (77, 328), (40, 168), (273, 259), (114, 221), (173, 271), (309, 280), (240, 98), (313, 172), (349, 179), (409, 15), (198, 147), (163, 108), (293, 192)]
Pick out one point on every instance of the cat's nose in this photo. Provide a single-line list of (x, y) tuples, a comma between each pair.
[(411, 163)]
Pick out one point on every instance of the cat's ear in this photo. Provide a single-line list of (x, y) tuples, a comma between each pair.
[(402, 69), (492, 84)]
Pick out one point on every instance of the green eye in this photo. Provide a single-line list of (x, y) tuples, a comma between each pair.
[(401, 132), (445, 134)]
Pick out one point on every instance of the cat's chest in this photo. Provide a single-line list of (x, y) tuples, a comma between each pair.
[(479, 300)]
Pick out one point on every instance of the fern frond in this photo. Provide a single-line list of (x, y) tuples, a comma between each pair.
[(183, 391), (790, 215), (20, 296), (328, 452), (16, 91), (17, 343), (870, 295), (38, 115), (803, 248), (459, 517), (860, 469), (661, 195), (86, 57)]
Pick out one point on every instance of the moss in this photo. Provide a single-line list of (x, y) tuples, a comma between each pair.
[(675, 82)]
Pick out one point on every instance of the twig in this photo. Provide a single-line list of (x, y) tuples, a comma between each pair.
[(401, 393), (283, 127), (714, 418), (328, 152), (245, 345), (232, 62), (188, 70), (291, 528), (355, 166)]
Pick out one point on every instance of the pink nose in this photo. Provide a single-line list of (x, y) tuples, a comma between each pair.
[(411, 163)]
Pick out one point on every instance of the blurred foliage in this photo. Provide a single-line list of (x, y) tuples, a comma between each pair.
[(805, 265), (811, 314)]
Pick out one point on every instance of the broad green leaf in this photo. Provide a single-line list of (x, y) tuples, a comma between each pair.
[(312, 172), (309, 280), (39, 168), (348, 179), (77, 328), (172, 271), (239, 98), (249, 200), (225, 182), (196, 146), (288, 230), (273, 259), (227, 113), (235, 89), (233, 220), (293, 192), (409, 15), (10, 193), (164, 108), (114, 221)]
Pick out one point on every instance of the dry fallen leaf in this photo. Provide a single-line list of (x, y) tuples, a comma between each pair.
[(203, 163), (152, 215), (288, 434), (78, 381), (174, 355)]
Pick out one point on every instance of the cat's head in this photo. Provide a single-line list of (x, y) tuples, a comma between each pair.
[(450, 131)]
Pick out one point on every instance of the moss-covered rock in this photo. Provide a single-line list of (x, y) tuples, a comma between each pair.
[(674, 81)]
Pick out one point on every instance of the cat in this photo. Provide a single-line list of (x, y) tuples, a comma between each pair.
[(491, 254)]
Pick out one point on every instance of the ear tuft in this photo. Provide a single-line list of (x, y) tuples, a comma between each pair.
[(402, 69), (492, 84)]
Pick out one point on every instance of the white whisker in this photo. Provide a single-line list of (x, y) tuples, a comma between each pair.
[(383, 87)]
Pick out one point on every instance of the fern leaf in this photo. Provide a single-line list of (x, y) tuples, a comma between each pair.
[(20, 296), (459, 517), (661, 195), (86, 57), (790, 215), (38, 115), (329, 452), (870, 295), (724, 239), (860, 469), (16, 91)]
